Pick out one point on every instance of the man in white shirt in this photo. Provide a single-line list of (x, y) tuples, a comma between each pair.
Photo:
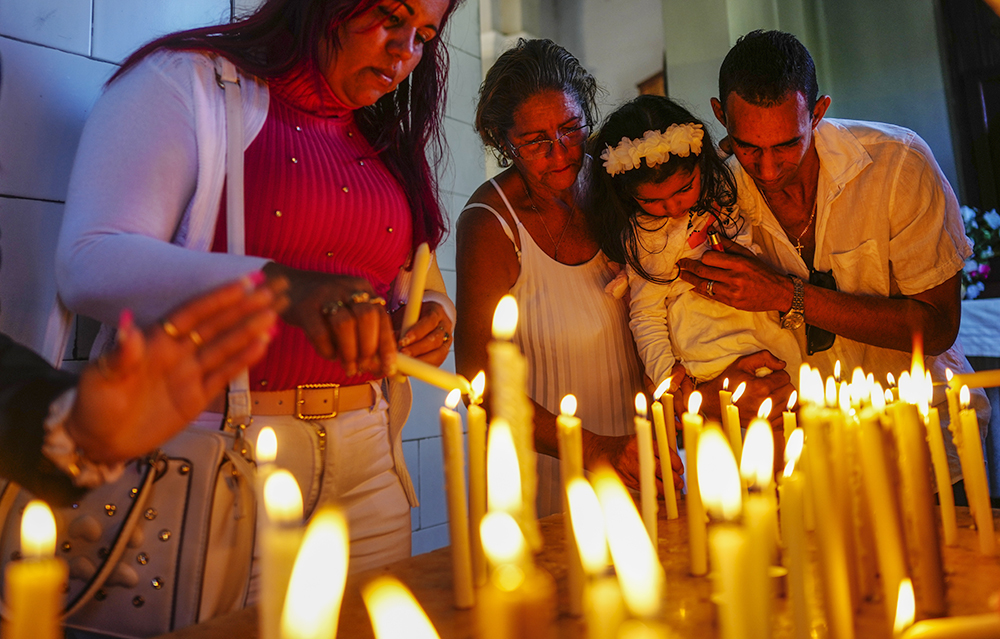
[(861, 236)]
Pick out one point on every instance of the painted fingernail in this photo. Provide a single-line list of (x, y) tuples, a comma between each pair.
[(126, 319), (257, 278)]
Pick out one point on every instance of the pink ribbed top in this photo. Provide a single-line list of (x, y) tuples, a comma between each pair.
[(319, 199)]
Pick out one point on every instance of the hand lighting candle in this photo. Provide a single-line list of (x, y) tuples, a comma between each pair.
[(458, 513), (570, 468), (281, 538), (793, 535), (477, 475), (647, 470), (693, 425), (975, 475), (316, 589), (665, 443), (394, 611), (33, 585)]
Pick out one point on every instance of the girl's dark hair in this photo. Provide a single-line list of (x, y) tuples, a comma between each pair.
[(613, 210), (531, 67), (402, 126)]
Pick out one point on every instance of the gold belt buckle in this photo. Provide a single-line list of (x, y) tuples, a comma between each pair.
[(299, 401)]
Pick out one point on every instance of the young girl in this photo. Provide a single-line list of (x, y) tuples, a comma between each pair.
[(661, 194)]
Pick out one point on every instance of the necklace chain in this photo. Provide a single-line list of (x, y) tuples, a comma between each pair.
[(798, 240), (541, 217)]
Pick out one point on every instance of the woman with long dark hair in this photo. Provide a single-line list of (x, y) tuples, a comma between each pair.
[(341, 101)]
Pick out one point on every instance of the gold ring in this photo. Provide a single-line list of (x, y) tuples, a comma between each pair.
[(377, 300), (446, 338), (708, 289), (196, 337), (169, 328), (331, 308), (360, 297)]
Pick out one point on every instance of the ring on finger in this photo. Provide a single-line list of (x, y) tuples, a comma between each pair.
[(446, 338), (196, 337), (377, 300), (331, 308), (169, 328), (708, 289), (360, 297)]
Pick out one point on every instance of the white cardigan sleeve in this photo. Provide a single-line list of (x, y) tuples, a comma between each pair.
[(138, 220)]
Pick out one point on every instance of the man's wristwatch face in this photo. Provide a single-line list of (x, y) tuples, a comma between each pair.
[(794, 318)]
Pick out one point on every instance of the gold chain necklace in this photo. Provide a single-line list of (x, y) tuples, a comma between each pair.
[(541, 217), (798, 240)]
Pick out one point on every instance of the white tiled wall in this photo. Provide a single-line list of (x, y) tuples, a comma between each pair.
[(55, 55)]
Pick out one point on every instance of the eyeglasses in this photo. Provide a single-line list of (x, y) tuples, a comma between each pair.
[(817, 339), (541, 148)]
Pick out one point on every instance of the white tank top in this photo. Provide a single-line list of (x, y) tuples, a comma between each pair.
[(576, 340)]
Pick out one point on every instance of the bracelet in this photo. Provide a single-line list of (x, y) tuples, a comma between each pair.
[(59, 448)]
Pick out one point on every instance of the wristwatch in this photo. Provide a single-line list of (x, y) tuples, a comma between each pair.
[(795, 316)]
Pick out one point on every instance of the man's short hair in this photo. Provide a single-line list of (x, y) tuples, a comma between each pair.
[(765, 66)]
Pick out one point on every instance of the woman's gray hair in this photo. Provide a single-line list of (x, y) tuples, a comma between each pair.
[(531, 67)]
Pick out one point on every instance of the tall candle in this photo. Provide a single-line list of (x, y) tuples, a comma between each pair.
[(418, 281), (419, 369), (697, 542), (604, 609), (975, 475), (569, 434), (793, 535), (647, 469), (394, 610), (281, 538), (477, 476), (732, 422), (33, 585), (788, 417), (760, 520), (458, 513), (942, 475), (316, 589), (664, 447), (840, 476), (725, 401)]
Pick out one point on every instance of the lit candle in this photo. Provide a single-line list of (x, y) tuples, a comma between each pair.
[(725, 401), (942, 475), (720, 485), (793, 535), (267, 448), (979, 379), (665, 443), (508, 384), (604, 609), (570, 467), (693, 425), (975, 475), (840, 475), (503, 475), (647, 468), (419, 369), (316, 589), (788, 417), (640, 574), (905, 608), (458, 513), (477, 475), (394, 611), (518, 600), (732, 422), (281, 538), (984, 626), (760, 520), (418, 281), (33, 586)]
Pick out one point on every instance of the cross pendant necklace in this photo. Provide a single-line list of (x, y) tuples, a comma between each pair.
[(798, 240)]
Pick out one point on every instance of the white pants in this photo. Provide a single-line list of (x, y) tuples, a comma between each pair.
[(347, 461)]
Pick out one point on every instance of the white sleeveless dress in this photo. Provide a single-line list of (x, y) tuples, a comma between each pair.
[(576, 340)]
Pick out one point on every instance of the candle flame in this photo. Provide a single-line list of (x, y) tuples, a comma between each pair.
[(794, 397), (694, 402), (453, 398), (890, 380), (505, 318), (836, 371), (640, 405), (503, 474), (316, 588), (503, 541), (831, 392), (948, 374), (858, 388), (903, 389), (568, 405), (765, 408), (394, 610), (38, 531), (718, 478), (267, 446), (282, 498), (844, 398), (878, 397), (888, 396), (964, 397), (478, 385), (639, 571), (662, 388), (917, 362), (588, 526), (757, 464), (805, 374), (905, 607), (739, 392), (793, 448), (725, 384)]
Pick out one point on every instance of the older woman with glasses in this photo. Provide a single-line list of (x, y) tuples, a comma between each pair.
[(524, 233)]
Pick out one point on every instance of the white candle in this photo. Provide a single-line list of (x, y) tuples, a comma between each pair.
[(942, 475), (697, 542), (788, 417), (281, 538), (503, 475), (394, 611), (569, 434), (975, 475), (316, 589), (413, 367), (664, 446), (734, 430), (418, 281), (33, 585), (604, 609), (458, 514), (760, 520), (647, 469), (477, 476), (793, 535)]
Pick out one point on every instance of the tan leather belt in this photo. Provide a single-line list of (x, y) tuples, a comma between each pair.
[(309, 401)]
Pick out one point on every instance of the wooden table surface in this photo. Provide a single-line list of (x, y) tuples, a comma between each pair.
[(972, 580)]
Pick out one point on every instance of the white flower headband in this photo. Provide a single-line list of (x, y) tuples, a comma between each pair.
[(679, 139)]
